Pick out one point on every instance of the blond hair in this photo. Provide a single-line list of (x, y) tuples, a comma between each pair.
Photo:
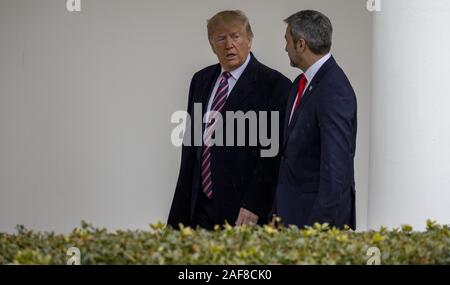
[(226, 17)]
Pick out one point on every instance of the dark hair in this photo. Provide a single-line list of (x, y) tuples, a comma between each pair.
[(314, 27)]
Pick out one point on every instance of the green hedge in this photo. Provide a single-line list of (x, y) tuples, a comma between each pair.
[(249, 245)]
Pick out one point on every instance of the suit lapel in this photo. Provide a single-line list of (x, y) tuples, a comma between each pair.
[(207, 89), (203, 95), (305, 98), (309, 93), (243, 87), (291, 100)]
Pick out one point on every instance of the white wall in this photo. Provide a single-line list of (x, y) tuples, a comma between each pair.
[(86, 100), (410, 155)]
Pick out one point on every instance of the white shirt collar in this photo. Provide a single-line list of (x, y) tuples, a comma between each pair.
[(313, 69), (236, 73), (309, 74)]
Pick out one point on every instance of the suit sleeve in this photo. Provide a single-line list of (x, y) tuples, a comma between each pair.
[(180, 209), (259, 197), (336, 116)]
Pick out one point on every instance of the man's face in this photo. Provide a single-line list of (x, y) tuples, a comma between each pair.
[(291, 48), (231, 44)]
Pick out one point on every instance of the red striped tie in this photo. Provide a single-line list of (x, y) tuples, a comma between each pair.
[(217, 105)]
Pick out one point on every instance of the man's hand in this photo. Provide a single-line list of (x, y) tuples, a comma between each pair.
[(246, 218), (274, 222)]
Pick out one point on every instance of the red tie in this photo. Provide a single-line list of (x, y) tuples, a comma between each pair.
[(301, 88)]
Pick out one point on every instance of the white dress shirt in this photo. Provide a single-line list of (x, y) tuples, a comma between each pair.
[(309, 74)]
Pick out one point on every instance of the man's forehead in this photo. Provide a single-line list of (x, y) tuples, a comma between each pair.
[(288, 31), (230, 28)]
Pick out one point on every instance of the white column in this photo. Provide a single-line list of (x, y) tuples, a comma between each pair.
[(410, 119)]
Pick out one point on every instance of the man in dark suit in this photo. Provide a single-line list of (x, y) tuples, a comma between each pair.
[(316, 176), (233, 184)]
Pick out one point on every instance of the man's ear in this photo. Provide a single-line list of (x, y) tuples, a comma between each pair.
[(250, 40), (212, 47), (300, 45)]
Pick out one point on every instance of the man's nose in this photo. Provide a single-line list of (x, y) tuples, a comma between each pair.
[(228, 42)]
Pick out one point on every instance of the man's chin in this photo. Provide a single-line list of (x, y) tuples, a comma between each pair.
[(232, 65)]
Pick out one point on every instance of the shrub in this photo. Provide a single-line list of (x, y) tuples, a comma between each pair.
[(244, 245)]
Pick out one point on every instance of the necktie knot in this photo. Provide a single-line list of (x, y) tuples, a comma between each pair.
[(301, 88), (303, 79), (226, 75), (302, 85)]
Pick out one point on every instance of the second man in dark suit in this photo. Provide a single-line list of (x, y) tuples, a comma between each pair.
[(316, 178)]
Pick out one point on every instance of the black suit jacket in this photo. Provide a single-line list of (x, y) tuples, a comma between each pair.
[(240, 177), (316, 177)]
